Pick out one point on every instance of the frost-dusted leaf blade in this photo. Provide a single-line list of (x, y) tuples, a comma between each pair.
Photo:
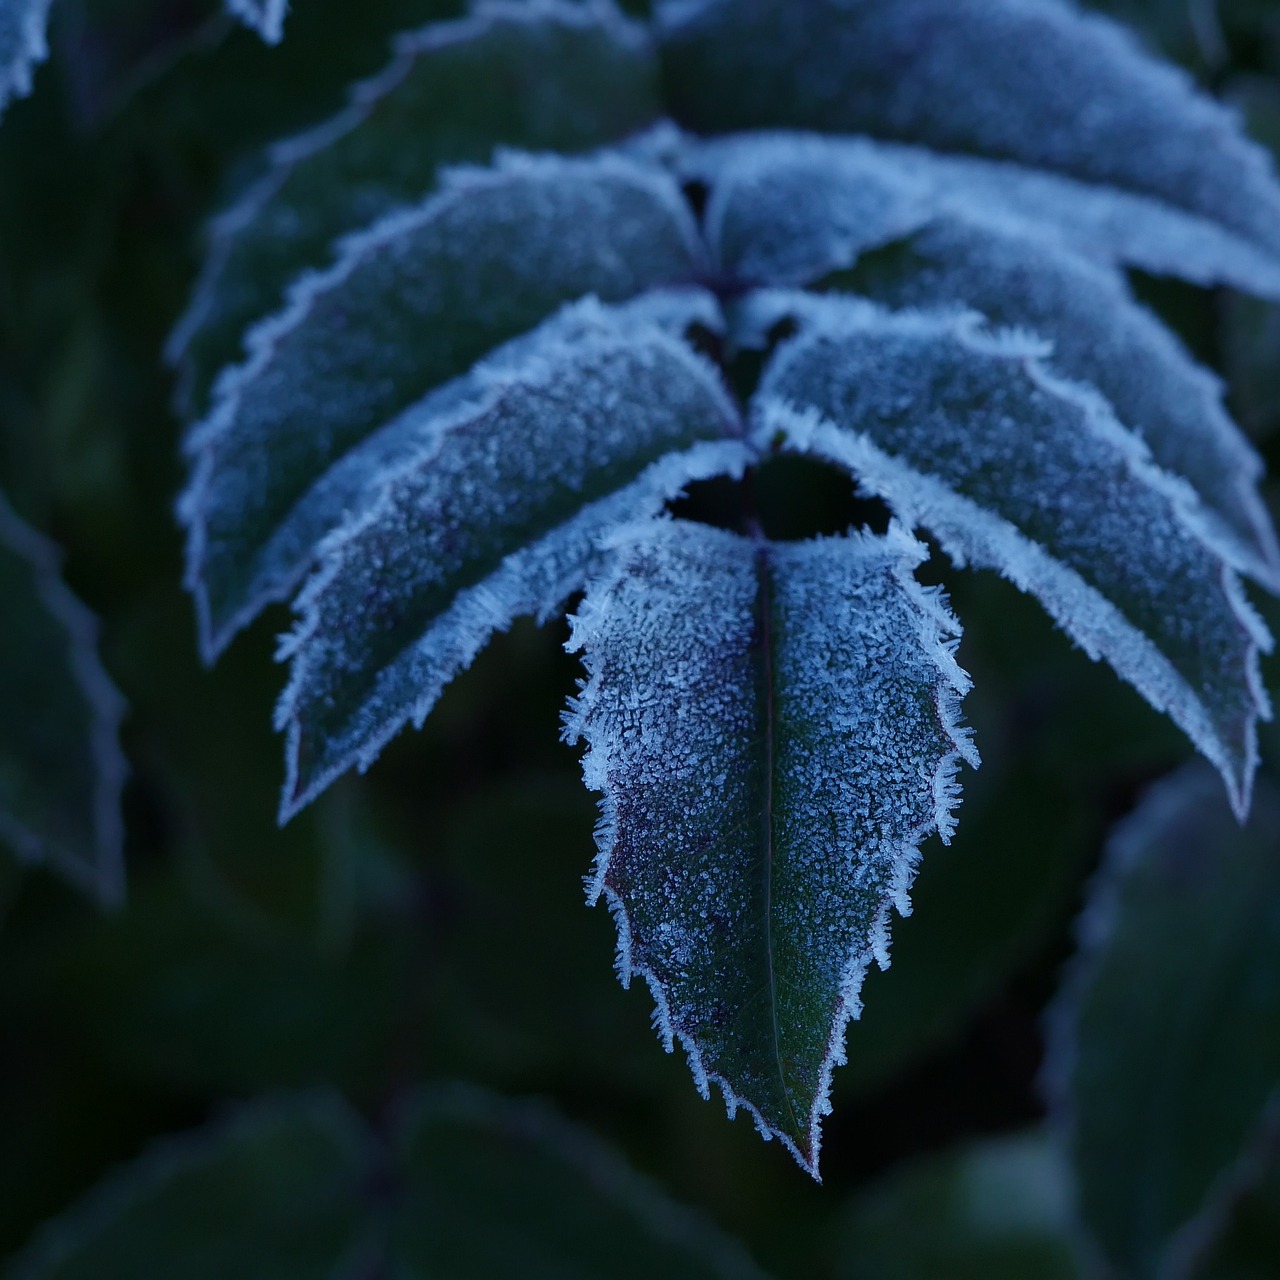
[(996, 1210), (497, 1188), (266, 17), (572, 77), (1100, 337), (23, 45), (488, 510), (1011, 468), (61, 768), (1031, 81), (774, 730), (272, 1193), (409, 304), (1164, 1058), (787, 207)]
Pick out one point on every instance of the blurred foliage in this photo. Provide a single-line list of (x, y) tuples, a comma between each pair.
[(426, 922)]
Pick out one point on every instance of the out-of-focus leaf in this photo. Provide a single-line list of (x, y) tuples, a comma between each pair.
[(998, 1210), (23, 44), (61, 768), (1248, 1247), (1165, 1043), (266, 17)]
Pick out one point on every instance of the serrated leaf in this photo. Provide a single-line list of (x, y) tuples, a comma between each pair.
[(61, 768), (266, 17), (490, 504), (572, 77), (1004, 79), (970, 435), (774, 730), (1164, 1055), (996, 1210), (23, 46), (463, 1184), (785, 206), (483, 261)]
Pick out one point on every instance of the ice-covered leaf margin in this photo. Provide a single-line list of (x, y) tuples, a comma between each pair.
[(774, 728), (23, 44)]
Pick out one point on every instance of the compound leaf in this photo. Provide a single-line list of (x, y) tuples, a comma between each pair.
[(774, 730), (571, 77), (1164, 1051), (23, 45), (492, 508), (61, 768), (970, 435), (1002, 79), (484, 260)]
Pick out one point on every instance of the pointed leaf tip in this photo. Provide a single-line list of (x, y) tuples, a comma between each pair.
[(774, 728)]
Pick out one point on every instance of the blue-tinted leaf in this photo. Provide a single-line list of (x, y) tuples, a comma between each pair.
[(785, 207), (998, 1210), (970, 436), (1100, 337), (774, 729), (572, 77), (499, 1189), (489, 503), (61, 769), (1031, 81), (489, 257), (23, 45), (266, 17), (272, 1193), (1164, 1058)]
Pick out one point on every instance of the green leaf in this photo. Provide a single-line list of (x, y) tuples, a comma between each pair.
[(490, 510), (1165, 1048), (552, 75), (968, 434), (481, 262), (774, 729), (463, 1185), (997, 1210), (1249, 1245), (61, 768)]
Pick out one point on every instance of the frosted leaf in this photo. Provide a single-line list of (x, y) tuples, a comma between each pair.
[(488, 510), (266, 17), (23, 45), (774, 730), (786, 208), (585, 76), (1032, 81), (61, 768), (969, 435), (486, 259), (1102, 337)]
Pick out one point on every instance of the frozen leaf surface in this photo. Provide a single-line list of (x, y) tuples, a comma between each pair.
[(1030, 81), (479, 263), (573, 77), (1164, 1056), (23, 45), (61, 768), (295, 1186), (774, 730), (969, 434), (786, 206), (490, 509)]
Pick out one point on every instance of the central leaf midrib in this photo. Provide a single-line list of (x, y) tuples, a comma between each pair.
[(764, 622)]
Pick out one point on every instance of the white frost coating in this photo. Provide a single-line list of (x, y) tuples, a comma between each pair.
[(23, 45), (833, 198), (534, 581), (973, 536), (266, 17), (679, 734), (105, 706)]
